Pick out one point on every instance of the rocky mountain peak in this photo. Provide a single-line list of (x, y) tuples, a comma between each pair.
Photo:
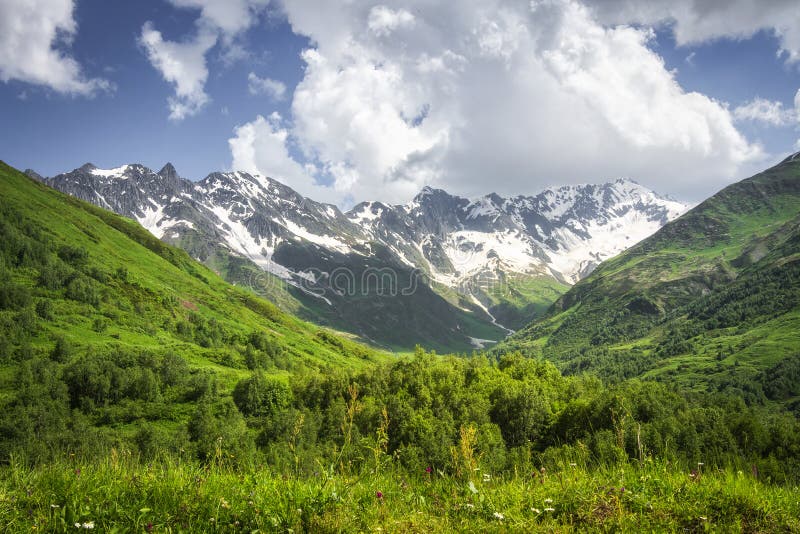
[(168, 171)]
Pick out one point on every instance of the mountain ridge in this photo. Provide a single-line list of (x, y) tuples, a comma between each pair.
[(491, 263)]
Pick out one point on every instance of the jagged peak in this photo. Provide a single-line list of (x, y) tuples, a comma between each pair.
[(87, 167), (168, 171), (433, 192)]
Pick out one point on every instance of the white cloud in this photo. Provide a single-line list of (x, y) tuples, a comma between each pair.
[(181, 64), (697, 21), (772, 113), (265, 86), (484, 95), (766, 111), (261, 146), (228, 16), (384, 20), (30, 32)]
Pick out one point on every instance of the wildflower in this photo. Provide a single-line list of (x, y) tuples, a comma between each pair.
[(379, 494), (77, 525), (149, 527), (703, 518), (548, 501), (89, 525), (536, 510), (54, 506), (428, 470), (549, 509), (487, 477), (573, 464), (499, 516), (224, 503), (469, 505)]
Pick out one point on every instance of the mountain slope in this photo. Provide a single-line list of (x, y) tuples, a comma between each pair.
[(75, 275), (442, 270), (711, 299)]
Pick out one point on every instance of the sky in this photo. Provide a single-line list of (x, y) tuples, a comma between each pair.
[(358, 100)]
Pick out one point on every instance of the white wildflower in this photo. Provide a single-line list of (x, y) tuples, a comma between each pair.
[(499, 516), (536, 510), (549, 509)]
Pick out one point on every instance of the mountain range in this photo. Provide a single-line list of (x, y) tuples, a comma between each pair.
[(445, 271)]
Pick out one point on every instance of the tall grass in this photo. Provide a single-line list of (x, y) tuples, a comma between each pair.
[(122, 494)]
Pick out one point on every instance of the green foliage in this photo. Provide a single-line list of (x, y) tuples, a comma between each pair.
[(262, 396)]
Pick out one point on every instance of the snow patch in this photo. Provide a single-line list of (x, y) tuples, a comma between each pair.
[(118, 172)]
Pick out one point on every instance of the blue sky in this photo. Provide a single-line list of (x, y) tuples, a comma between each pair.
[(511, 98), (53, 132)]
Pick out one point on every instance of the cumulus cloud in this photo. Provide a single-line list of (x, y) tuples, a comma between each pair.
[(765, 111), (696, 21), (183, 64), (30, 32), (384, 20), (266, 86), (486, 95)]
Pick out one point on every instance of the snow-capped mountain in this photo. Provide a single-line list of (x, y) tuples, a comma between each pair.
[(563, 232), (476, 254)]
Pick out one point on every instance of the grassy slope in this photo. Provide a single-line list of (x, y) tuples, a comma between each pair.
[(163, 286), (665, 289)]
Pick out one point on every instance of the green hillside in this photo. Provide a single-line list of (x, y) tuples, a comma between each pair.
[(711, 301), (136, 329)]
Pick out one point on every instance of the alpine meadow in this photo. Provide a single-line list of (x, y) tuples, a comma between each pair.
[(395, 305)]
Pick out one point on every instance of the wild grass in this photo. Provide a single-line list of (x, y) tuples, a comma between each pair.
[(121, 494)]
